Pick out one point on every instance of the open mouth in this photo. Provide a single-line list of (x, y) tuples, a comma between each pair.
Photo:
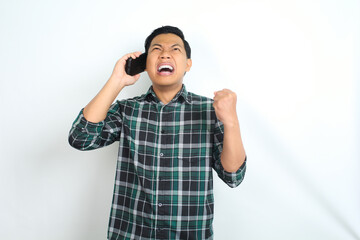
[(165, 69)]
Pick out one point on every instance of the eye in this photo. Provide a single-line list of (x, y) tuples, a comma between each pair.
[(156, 48), (177, 49)]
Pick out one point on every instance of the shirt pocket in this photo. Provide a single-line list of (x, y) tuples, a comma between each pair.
[(194, 152), (194, 144), (140, 139), (194, 171)]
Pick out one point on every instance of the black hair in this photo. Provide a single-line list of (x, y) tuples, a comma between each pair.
[(164, 30)]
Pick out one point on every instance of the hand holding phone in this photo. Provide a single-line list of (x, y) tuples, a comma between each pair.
[(135, 66)]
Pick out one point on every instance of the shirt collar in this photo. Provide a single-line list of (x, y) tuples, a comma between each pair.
[(183, 93)]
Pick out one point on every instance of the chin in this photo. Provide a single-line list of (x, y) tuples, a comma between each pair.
[(164, 82)]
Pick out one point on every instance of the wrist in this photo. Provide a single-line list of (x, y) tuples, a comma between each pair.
[(116, 83), (231, 121), (231, 125)]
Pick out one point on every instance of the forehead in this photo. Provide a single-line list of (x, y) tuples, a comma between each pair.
[(167, 39)]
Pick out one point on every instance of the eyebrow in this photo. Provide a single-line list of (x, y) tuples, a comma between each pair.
[(176, 44), (156, 44)]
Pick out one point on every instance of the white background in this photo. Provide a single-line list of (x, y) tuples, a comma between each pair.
[(294, 65)]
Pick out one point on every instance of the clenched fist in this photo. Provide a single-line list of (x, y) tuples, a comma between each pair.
[(225, 107)]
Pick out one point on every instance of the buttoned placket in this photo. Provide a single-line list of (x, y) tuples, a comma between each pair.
[(163, 155), (160, 177)]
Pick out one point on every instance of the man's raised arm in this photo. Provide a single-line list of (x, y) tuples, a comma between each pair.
[(233, 152), (98, 107), (99, 123)]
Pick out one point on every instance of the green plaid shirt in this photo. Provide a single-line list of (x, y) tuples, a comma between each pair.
[(164, 183)]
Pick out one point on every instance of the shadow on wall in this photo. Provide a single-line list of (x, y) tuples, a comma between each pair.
[(289, 161), (76, 186)]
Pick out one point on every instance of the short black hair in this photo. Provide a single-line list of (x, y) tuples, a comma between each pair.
[(164, 30)]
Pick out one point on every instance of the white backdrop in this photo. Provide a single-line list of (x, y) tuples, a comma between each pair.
[(294, 65)]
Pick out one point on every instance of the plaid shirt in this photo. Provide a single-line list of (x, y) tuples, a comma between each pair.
[(164, 184)]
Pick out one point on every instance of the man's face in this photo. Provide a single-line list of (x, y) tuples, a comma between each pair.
[(166, 62)]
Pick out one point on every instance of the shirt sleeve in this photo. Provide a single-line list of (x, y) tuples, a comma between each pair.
[(232, 179), (85, 135)]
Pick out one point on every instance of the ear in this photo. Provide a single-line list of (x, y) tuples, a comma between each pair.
[(188, 64)]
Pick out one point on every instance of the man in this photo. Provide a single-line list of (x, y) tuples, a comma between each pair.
[(170, 140)]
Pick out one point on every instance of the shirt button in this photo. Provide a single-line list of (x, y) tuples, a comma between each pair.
[(161, 154), (160, 204), (163, 131)]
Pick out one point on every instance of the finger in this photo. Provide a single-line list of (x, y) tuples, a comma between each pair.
[(137, 76), (219, 93), (126, 57), (132, 55), (137, 54), (216, 92)]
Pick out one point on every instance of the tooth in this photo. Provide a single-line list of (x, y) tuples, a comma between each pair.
[(165, 66)]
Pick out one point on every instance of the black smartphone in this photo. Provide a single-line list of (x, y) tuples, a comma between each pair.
[(135, 66)]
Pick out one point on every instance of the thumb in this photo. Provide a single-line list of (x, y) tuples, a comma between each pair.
[(137, 76), (214, 95)]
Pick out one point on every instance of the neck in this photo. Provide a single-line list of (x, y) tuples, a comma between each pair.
[(166, 93)]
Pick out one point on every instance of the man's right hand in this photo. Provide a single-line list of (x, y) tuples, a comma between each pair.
[(97, 108), (119, 73)]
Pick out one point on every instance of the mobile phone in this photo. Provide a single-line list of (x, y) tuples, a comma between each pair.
[(135, 66)]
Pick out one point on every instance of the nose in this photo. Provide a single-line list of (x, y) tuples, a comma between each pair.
[(165, 55)]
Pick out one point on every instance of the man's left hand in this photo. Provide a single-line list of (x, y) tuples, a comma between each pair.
[(225, 106)]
